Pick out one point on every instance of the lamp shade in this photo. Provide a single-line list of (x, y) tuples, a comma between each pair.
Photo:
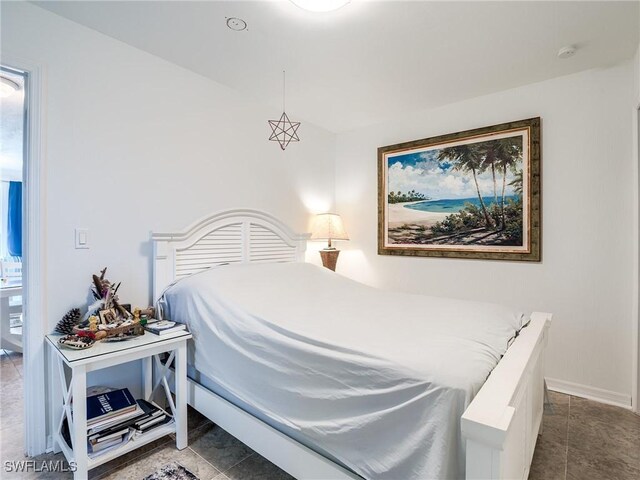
[(328, 226)]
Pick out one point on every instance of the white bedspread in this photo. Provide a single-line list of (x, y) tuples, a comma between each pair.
[(378, 380)]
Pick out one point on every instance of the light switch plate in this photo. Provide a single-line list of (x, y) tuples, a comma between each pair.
[(82, 238)]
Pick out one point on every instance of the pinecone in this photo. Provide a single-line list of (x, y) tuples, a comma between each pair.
[(70, 320)]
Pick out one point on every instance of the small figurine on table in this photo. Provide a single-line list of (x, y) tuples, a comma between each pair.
[(93, 323)]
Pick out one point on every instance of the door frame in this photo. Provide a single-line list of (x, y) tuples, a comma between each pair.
[(635, 380), (34, 269)]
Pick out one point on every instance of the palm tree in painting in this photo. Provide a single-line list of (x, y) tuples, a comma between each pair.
[(516, 183), (467, 158), (501, 154), (489, 152), (509, 154)]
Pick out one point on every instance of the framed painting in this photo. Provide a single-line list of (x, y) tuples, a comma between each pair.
[(473, 194)]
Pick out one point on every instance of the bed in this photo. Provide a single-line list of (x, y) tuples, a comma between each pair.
[(328, 378)]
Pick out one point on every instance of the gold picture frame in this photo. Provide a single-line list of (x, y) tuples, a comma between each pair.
[(474, 194)]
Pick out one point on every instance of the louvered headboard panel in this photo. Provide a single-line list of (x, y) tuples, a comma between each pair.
[(265, 245), (235, 236), (223, 245)]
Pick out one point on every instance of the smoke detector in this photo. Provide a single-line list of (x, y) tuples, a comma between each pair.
[(566, 52), (236, 24)]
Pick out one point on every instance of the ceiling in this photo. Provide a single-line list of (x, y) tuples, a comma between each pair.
[(370, 60)]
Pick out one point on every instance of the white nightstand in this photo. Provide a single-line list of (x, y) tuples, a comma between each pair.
[(147, 348)]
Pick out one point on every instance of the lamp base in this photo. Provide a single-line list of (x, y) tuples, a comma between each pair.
[(329, 258)]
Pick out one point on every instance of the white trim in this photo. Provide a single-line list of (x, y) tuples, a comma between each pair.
[(590, 393), (34, 234)]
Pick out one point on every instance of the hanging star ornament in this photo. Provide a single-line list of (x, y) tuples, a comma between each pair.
[(284, 131)]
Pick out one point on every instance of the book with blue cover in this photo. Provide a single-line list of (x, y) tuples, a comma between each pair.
[(105, 405)]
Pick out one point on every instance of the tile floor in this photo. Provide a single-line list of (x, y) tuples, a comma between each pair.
[(585, 440), (581, 440)]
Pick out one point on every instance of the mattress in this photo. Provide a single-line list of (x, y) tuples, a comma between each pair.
[(373, 379)]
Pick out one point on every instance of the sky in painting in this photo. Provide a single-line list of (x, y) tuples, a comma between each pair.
[(422, 172)]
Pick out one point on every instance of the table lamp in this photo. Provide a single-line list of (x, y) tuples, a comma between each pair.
[(328, 226)]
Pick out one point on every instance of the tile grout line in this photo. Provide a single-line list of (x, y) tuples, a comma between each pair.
[(16, 367), (238, 463), (190, 431), (215, 467), (206, 461), (566, 451)]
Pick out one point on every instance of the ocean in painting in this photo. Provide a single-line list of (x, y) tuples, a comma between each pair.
[(453, 205)]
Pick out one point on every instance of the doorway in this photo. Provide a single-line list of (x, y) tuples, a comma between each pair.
[(13, 158), (13, 141), (22, 143)]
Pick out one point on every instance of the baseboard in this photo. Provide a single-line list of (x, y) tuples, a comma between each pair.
[(591, 393)]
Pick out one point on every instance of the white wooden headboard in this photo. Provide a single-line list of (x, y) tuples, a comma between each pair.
[(232, 236)]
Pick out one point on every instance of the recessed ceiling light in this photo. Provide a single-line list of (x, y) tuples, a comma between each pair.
[(320, 5), (7, 87), (236, 24), (566, 52)]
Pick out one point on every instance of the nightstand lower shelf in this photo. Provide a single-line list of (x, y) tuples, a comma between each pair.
[(132, 444)]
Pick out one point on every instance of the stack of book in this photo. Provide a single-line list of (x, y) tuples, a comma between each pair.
[(164, 327), (106, 408), (148, 416), (113, 418)]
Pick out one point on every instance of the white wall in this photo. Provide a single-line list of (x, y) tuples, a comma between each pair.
[(586, 274), (134, 144)]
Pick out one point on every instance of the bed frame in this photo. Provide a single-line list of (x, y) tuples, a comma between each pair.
[(500, 426)]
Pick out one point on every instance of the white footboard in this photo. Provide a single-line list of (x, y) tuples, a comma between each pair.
[(501, 424)]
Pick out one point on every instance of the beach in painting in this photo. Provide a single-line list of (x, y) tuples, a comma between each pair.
[(428, 212), (400, 214)]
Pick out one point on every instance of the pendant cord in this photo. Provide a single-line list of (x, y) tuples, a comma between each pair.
[(284, 80)]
